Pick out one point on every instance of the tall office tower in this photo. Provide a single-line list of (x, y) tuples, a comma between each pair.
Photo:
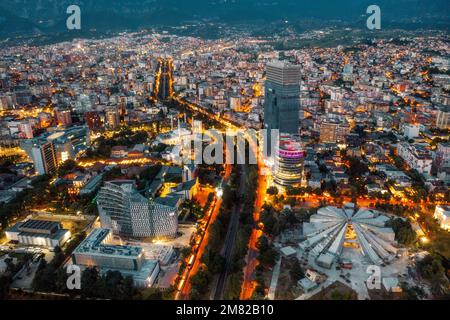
[(44, 157), (289, 157), (443, 117), (113, 118), (282, 97), (282, 100), (127, 213)]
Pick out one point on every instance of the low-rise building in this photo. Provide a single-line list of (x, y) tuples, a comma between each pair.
[(442, 214), (38, 233), (97, 250), (119, 152), (416, 156)]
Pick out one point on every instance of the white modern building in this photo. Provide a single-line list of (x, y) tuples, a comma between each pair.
[(174, 137), (416, 156), (127, 213), (97, 250), (38, 233), (411, 131), (442, 214)]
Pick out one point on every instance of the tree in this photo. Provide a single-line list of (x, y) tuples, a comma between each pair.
[(217, 263), (296, 271), (431, 267), (357, 168), (412, 293), (267, 254), (5, 282), (270, 222), (273, 191), (269, 257), (89, 282), (213, 260), (200, 281), (194, 294), (61, 280), (291, 191), (233, 290), (58, 257), (185, 252), (128, 290), (152, 294), (339, 295), (44, 279), (404, 233), (68, 167), (292, 202)]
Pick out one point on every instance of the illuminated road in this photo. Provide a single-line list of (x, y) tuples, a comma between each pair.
[(248, 285), (252, 262), (166, 81), (185, 285), (230, 238), (158, 73), (216, 117), (121, 162)]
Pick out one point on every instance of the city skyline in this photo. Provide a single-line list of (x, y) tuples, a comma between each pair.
[(247, 152)]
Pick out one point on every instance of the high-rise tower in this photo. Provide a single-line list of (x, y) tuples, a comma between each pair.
[(282, 97), (282, 101)]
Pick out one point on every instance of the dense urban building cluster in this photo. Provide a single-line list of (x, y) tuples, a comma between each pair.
[(93, 160)]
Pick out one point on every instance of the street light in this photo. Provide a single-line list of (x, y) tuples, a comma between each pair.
[(424, 240), (219, 192)]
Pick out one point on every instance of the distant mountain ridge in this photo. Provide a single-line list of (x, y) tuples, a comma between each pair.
[(29, 17)]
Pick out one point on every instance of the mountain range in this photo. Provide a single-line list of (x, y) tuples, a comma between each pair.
[(26, 18)]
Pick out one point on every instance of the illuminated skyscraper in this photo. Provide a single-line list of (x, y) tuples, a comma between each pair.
[(282, 97), (282, 100), (44, 157)]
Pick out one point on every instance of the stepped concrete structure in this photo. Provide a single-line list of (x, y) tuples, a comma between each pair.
[(332, 229)]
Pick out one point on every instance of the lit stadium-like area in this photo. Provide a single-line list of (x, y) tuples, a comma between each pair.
[(332, 229)]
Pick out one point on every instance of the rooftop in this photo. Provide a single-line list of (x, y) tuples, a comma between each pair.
[(95, 242), (39, 226), (332, 229)]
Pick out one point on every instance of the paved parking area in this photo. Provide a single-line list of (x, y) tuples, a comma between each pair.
[(356, 277)]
